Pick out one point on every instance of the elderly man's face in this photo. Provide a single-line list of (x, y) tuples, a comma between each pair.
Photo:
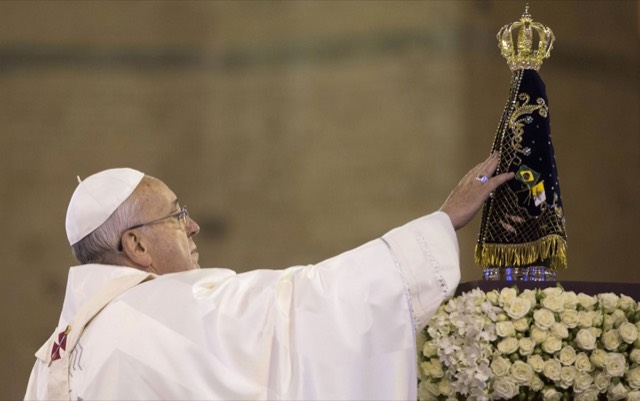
[(170, 241)]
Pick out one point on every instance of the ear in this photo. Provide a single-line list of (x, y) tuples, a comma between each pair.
[(135, 249)]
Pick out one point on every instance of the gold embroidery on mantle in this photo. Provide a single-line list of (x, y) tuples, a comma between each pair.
[(521, 116)]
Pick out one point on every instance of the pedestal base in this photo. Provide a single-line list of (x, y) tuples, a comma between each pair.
[(529, 273)]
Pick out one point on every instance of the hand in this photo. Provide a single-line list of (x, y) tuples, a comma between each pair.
[(467, 198)]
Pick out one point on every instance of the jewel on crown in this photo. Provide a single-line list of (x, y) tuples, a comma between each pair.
[(516, 43)]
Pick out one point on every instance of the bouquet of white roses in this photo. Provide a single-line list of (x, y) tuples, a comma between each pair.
[(546, 344)]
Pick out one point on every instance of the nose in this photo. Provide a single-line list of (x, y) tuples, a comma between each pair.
[(192, 227)]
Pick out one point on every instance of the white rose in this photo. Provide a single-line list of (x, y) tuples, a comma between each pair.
[(567, 355), (585, 340), (544, 318), (430, 349), (619, 317), (492, 296), (432, 368), (551, 345), (559, 330), (633, 396), (635, 355), (609, 301), (505, 387), (587, 395), (598, 358), (536, 383), (583, 364), (522, 372), (552, 291), (551, 394), (611, 339), (627, 303), (595, 331), (617, 392), (521, 324), (633, 378), (507, 295), (530, 295), (536, 362), (601, 381), (582, 382), (526, 345), (538, 335), (615, 364), (569, 318), (596, 317), (628, 332), (584, 319), (500, 366), (570, 300), (551, 369), (505, 329), (567, 376), (587, 301), (607, 323), (518, 308), (554, 302), (508, 346)]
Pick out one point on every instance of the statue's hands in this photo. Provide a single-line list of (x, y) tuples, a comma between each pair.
[(467, 198)]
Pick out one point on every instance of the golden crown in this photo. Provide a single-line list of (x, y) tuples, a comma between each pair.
[(516, 41)]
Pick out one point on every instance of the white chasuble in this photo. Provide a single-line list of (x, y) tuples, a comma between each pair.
[(343, 329)]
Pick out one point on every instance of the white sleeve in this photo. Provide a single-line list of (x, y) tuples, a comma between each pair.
[(350, 321), (415, 266), (427, 255)]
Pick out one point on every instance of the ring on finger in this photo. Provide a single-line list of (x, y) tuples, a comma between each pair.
[(482, 178)]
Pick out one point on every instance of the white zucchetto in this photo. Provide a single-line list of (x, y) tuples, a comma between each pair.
[(96, 198)]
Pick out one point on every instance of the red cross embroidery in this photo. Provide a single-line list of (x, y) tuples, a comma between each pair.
[(60, 344)]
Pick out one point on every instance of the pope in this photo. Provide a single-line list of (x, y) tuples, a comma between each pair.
[(142, 321)]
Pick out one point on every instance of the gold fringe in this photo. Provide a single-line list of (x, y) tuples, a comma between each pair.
[(550, 251)]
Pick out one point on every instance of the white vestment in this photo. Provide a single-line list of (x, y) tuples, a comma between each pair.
[(343, 329)]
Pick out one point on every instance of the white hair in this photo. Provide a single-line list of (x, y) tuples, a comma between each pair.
[(101, 245)]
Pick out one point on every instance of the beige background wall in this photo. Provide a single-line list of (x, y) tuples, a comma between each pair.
[(296, 130)]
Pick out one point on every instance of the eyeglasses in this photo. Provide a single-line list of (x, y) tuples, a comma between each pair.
[(182, 215)]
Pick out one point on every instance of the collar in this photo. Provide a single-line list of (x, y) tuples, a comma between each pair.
[(84, 280)]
